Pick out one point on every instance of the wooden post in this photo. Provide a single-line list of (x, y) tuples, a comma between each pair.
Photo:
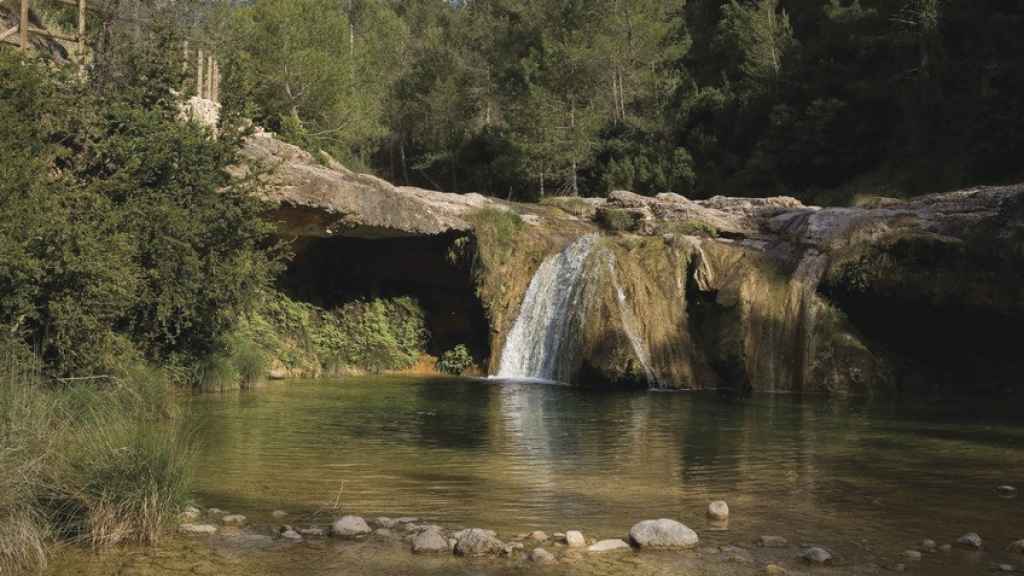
[(81, 32), (23, 23), (209, 77), (199, 72), (215, 82)]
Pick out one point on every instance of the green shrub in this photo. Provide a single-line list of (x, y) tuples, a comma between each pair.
[(455, 361), (250, 362), (375, 335), (616, 219), (688, 228), (218, 374)]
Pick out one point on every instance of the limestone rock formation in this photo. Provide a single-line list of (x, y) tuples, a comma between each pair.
[(759, 294)]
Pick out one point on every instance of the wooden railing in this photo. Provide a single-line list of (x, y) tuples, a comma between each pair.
[(24, 28)]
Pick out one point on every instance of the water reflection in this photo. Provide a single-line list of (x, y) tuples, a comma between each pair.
[(512, 456)]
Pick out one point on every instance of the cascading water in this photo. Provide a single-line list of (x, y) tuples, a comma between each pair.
[(536, 342)]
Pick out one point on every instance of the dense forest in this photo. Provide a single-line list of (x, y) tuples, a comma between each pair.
[(822, 99)]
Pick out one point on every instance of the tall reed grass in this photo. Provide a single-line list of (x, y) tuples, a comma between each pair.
[(98, 462)]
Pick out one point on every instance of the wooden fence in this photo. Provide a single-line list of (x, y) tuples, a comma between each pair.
[(207, 71)]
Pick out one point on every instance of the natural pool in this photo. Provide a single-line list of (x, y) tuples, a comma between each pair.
[(866, 479)]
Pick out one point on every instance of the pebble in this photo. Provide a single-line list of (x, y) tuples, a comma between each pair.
[(817, 555), (774, 570), (233, 520), (608, 545), (197, 528), (349, 527), (278, 514), (971, 540), (1006, 490), (575, 539), (541, 556), (928, 545), (538, 535), (662, 533), (772, 541), (912, 555), (718, 510), (289, 533)]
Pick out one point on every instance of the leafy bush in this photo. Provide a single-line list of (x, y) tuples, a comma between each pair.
[(375, 335), (455, 361), (616, 220)]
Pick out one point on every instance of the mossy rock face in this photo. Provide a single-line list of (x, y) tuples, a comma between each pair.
[(619, 219)]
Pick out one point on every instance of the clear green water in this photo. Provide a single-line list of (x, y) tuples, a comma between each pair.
[(867, 480)]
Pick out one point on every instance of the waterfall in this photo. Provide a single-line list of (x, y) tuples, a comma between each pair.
[(539, 336)]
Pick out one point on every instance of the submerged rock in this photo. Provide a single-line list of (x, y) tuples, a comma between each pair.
[(278, 514), (928, 545), (1006, 490), (970, 541), (541, 556), (816, 555), (430, 541), (718, 510), (477, 542), (737, 554), (350, 527), (234, 520), (575, 539), (609, 545), (774, 570), (912, 555), (289, 533), (662, 533), (313, 531), (188, 528), (772, 542), (1016, 547)]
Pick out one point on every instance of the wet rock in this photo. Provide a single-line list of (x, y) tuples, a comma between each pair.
[(912, 555), (430, 541), (774, 570), (1006, 490), (313, 531), (538, 536), (385, 522), (1006, 567), (737, 554), (406, 520), (928, 545), (384, 533), (478, 542), (816, 555), (541, 556), (349, 527), (461, 533), (233, 520), (772, 542), (1016, 547), (289, 533), (516, 546), (575, 539), (189, 528), (662, 533), (970, 541), (216, 512), (190, 514), (718, 510), (558, 537), (279, 514), (608, 545)]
